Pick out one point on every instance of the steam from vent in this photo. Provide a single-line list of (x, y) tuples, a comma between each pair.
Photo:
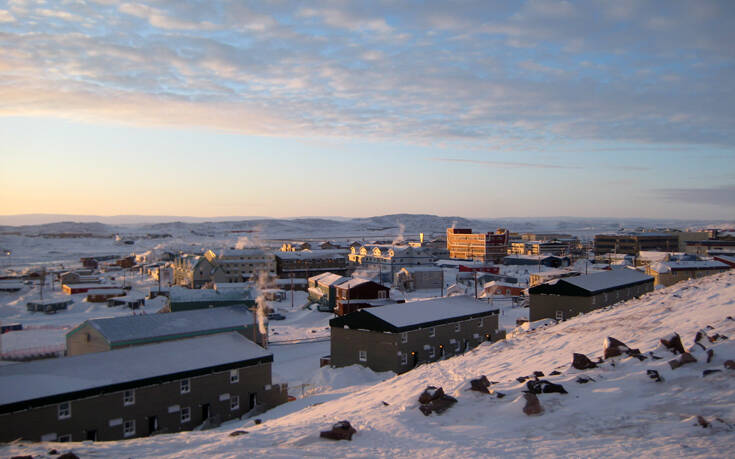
[(243, 242), (398, 239), (261, 283), (454, 223)]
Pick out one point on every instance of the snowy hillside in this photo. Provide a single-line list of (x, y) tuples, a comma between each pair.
[(620, 411)]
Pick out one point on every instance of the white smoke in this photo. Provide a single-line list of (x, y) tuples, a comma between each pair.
[(398, 239)]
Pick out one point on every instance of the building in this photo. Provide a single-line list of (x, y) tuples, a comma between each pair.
[(711, 247), (244, 264), (551, 274), (306, 263), (633, 243), (98, 335), (671, 272), (185, 299), (418, 278), (398, 337), (729, 260), (102, 295), (131, 300), (498, 288), (550, 261), (565, 298), (553, 247), (357, 293), (386, 259), (322, 289), (79, 277), (545, 236), (139, 391), (462, 243), (73, 289), (49, 306), (195, 271)]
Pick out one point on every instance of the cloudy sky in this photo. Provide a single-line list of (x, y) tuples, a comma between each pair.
[(473, 108)]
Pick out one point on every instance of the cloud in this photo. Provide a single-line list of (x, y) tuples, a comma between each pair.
[(504, 164), (715, 196), (5, 16)]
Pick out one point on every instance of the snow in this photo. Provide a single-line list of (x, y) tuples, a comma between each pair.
[(42, 378), (427, 311), (596, 282)]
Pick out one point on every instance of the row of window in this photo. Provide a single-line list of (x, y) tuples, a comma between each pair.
[(363, 356), (432, 330)]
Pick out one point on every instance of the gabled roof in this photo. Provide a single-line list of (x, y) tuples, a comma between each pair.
[(353, 282), (592, 284), (48, 381), (400, 317), (332, 280)]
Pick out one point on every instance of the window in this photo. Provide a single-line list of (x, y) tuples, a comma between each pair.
[(234, 402), (594, 299), (64, 438), (457, 327), (234, 376), (185, 414), (362, 355), (481, 323), (129, 428), (185, 386), (432, 332), (129, 397), (404, 337), (432, 352), (404, 359), (559, 315), (456, 346), (382, 294), (65, 410)]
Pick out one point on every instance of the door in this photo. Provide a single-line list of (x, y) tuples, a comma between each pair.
[(90, 435), (415, 358), (253, 399), (152, 424), (205, 412)]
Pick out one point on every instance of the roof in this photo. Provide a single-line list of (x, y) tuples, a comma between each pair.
[(93, 286), (48, 381), (106, 291), (51, 301), (312, 254), (412, 315), (415, 269), (186, 295), (687, 265), (502, 284), (353, 282), (131, 329), (591, 284), (332, 280), (244, 252)]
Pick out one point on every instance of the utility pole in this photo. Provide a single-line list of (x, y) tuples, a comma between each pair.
[(442, 287), (292, 274), (475, 272)]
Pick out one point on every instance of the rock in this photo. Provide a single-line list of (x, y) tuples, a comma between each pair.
[(522, 379), (654, 356), (68, 455), (709, 327), (52, 452), (257, 421), (653, 374), (341, 430), (717, 337), (709, 372), (438, 405), (543, 386), (613, 348), (682, 360), (702, 422), (710, 355), (555, 373), (480, 384), (581, 362), (22, 457), (673, 343), (237, 433), (538, 374), (730, 364), (430, 393), (584, 379), (386, 404), (533, 405), (498, 394), (729, 318)]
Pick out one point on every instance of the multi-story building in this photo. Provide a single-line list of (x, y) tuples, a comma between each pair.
[(194, 271), (244, 264), (633, 243), (306, 263), (462, 243), (389, 259)]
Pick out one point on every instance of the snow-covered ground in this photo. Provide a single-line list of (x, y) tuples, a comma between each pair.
[(621, 413)]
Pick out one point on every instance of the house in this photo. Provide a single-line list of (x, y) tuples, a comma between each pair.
[(126, 262), (78, 277), (550, 261), (185, 299), (462, 243), (322, 290), (669, 273), (102, 295), (137, 391), (387, 259), (418, 278), (131, 300), (306, 263), (73, 289), (353, 293), (195, 271), (493, 288), (566, 297), (398, 337), (10, 286), (98, 335), (243, 264), (729, 260), (49, 306)]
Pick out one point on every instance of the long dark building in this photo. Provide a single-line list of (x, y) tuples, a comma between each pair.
[(633, 243), (136, 391)]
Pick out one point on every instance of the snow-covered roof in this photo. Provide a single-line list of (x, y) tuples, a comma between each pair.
[(352, 283), (182, 295), (93, 286), (127, 329), (501, 284), (415, 269), (421, 312), (312, 254), (68, 375), (596, 282), (244, 252), (106, 291), (689, 265), (332, 280)]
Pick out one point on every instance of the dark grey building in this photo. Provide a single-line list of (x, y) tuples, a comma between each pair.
[(564, 298), (136, 391), (397, 337)]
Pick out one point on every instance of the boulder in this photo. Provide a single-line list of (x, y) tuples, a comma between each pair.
[(702, 422), (584, 380), (438, 405), (68, 455), (341, 430), (718, 337), (28, 456), (533, 405), (543, 386), (582, 362), (521, 379), (710, 355), (673, 343), (653, 374), (430, 393), (730, 364), (709, 372), (52, 452), (538, 374), (555, 373), (237, 433), (682, 360), (480, 384), (497, 394), (613, 348)]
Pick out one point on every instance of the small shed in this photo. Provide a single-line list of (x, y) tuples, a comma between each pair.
[(101, 296), (48, 306), (131, 300)]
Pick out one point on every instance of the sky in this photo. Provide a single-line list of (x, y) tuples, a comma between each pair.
[(330, 108)]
